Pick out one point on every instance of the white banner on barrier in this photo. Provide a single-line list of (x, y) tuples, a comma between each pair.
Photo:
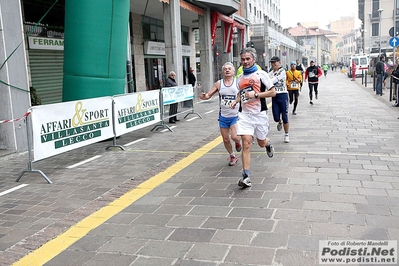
[(61, 127), (135, 111), (177, 94)]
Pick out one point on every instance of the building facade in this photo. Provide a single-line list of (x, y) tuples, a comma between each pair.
[(163, 36), (316, 42), (379, 19), (268, 36), (341, 46)]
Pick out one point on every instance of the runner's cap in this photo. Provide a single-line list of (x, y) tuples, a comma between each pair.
[(275, 59)]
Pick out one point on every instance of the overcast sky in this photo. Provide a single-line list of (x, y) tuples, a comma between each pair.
[(294, 11)]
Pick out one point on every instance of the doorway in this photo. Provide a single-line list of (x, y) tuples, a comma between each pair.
[(154, 73)]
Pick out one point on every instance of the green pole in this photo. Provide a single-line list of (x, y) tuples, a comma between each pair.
[(95, 48)]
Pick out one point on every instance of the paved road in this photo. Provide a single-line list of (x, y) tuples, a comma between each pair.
[(171, 199)]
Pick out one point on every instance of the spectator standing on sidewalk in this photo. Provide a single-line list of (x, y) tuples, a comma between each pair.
[(254, 86), (385, 75), (171, 82), (395, 76), (379, 70), (280, 101), (228, 90), (191, 78), (312, 74), (294, 79), (353, 69)]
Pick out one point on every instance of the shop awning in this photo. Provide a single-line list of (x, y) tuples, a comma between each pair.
[(229, 25), (226, 7)]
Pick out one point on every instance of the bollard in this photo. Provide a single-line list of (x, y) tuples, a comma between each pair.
[(390, 89), (365, 80), (374, 81), (362, 76)]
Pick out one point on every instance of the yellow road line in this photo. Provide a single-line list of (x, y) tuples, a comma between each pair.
[(55, 246), (280, 152)]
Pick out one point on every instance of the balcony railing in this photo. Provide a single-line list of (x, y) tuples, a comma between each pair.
[(35, 29)]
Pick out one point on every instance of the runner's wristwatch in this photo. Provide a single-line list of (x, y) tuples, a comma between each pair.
[(256, 95)]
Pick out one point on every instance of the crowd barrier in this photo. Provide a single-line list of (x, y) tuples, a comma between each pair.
[(57, 128), (183, 96)]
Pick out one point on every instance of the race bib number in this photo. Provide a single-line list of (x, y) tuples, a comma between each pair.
[(311, 75), (242, 94), (279, 86), (226, 100), (294, 85)]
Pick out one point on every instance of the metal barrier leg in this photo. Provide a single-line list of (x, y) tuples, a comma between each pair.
[(30, 163), (114, 130), (115, 145), (30, 169), (192, 111), (163, 125)]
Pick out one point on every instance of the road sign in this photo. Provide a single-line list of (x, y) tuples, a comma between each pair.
[(394, 41), (391, 31)]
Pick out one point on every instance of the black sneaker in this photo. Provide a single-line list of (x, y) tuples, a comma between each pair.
[(280, 125), (244, 181)]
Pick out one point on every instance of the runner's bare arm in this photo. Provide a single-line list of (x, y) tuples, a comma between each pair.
[(215, 88), (266, 94), (237, 100)]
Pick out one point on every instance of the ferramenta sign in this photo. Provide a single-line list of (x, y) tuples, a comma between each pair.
[(45, 43)]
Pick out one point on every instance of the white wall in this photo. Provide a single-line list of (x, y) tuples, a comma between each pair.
[(14, 102)]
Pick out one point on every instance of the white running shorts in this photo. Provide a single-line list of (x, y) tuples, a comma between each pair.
[(253, 125)]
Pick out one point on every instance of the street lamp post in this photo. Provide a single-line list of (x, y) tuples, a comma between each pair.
[(379, 31), (371, 31), (394, 31), (363, 42)]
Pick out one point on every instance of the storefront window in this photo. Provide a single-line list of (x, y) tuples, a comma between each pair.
[(153, 30)]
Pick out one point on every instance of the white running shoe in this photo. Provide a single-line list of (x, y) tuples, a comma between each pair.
[(244, 181), (232, 160), (286, 138)]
